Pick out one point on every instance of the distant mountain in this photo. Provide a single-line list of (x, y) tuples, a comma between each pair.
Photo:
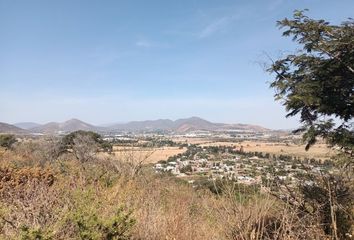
[(26, 125), (8, 128), (183, 125), (178, 126), (64, 127), (192, 124), (160, 124), (242, 127)]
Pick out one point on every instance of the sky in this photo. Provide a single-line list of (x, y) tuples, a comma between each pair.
[(117, 61)]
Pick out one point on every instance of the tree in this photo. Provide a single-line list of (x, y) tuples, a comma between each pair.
[(84, 148), (77, 140), (317, 82), (186, 169), (7, 140)]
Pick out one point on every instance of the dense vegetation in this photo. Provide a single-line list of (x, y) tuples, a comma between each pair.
[(7, 140), (317, 83)]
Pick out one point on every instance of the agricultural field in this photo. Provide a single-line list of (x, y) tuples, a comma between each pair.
[(147, 155), (154, 154), (318, 151), (191, 140)]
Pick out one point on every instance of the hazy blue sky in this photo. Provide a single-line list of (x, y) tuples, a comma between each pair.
[(115, 61)]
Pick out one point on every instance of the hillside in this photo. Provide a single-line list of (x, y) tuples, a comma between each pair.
[(67, 126), (161, 124), (179, 126), (26, 125), (184, 125), (8, 128)]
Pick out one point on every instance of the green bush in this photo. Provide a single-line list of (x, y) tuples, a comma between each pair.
[(92, 226), (92, 223), (7, 140), (28, 233)]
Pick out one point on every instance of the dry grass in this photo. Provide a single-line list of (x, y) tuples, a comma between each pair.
[(318, 151), (190, 140), (167, 210), (163, 207), (150, 155)]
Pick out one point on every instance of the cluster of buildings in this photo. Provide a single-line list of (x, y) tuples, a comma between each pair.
[(240, 168), (231, 169)]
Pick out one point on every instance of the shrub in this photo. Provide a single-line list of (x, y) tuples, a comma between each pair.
[(7, 140)]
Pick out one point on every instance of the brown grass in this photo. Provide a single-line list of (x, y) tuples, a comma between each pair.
[(163, 207), (318, 151), (150, 155), (190, 140)]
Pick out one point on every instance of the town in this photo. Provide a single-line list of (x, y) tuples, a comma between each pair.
[(221, 162)]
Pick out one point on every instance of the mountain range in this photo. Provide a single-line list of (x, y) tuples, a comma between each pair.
[(67, 126), (183, 125), (8, 128), (27, 125), (179, 126)]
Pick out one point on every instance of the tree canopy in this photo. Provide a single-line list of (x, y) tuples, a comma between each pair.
[(317, 81), (68, 141), (7, 140)]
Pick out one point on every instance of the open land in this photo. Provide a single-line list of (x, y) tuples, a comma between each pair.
[(148, 155), (318, 151)]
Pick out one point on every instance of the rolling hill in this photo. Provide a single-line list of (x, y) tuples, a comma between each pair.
[(183, 125), (178, 126), (26, 125), (64, 127), (8, 128)]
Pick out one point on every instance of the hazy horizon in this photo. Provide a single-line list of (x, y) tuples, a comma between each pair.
[(107, 124), (144, 60)]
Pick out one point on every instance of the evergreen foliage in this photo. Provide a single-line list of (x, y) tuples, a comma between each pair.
[(317, 81)]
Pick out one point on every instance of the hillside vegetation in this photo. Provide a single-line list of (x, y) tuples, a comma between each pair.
[(47, 193)]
